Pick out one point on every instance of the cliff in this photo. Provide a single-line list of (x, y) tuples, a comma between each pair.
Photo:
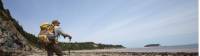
[(13, 39)]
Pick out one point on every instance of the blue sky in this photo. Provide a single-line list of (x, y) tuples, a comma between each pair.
[(131, 23)]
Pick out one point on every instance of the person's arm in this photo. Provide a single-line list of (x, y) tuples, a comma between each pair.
[(60, 31)]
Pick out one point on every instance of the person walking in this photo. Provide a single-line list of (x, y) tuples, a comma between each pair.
[(52, 33)]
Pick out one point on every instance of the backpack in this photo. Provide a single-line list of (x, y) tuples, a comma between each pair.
[(44, 30)]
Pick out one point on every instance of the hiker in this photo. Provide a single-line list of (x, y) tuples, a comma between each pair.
[(49, 37)]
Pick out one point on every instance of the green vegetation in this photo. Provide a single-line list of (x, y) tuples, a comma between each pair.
[(87, 45)]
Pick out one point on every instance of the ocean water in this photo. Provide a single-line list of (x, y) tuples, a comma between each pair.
[(179, 48)]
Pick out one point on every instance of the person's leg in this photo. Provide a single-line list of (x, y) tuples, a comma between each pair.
[(50, 53), (49, 49), (58, 50)]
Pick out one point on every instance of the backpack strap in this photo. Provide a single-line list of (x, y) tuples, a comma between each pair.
[(51, 29)]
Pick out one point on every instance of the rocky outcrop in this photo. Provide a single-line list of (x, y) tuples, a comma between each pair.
[(12, 42)]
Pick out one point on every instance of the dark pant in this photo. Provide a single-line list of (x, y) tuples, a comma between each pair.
[(54, 48)]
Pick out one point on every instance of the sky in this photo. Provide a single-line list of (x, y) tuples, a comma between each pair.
[(131, 23)]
